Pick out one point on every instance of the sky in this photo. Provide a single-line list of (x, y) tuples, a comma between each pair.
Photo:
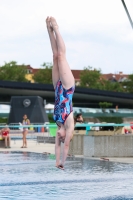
[(97, 33), (4, 108)]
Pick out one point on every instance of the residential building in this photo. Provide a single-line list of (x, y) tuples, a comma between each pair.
[(119, 77)]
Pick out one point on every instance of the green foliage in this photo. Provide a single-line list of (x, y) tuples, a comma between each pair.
[(3, 120), (117, 120), (128, 84), (105, 104), (44, 75), (13, 72), (112, 86), (90, 78)]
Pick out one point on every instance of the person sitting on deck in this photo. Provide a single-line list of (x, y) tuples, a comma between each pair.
[(128, 129), (5, 135)]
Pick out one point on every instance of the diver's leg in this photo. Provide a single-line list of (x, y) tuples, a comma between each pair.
[(65, 73), (55, 69)]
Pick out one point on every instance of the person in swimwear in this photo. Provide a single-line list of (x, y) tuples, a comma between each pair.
[(64, 85), (79, 120), (25, 121), (5, 135)]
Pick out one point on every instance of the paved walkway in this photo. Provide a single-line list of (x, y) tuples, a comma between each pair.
[(112, 159), (33, 146)]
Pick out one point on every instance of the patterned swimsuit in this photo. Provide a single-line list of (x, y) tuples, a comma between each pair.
[(63, 103)]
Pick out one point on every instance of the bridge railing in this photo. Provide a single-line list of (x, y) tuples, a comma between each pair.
[(46, 127)]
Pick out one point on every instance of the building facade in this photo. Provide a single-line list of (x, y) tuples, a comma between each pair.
[(119, 77)]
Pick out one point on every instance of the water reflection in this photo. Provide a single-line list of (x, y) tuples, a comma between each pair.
[(34, 176)]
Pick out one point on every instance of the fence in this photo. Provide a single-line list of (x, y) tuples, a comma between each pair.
[(50, 128), (34, 130)]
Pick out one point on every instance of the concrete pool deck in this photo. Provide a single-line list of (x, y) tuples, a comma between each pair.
[(35, 147)]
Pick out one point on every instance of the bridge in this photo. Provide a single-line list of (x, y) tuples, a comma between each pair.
[(83, 97)]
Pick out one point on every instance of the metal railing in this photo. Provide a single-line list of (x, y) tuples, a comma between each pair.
[(15, 126), (34, 130)]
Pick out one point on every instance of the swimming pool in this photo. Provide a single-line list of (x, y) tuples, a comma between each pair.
[(32, 176)]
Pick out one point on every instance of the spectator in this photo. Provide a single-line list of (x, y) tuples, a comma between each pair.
[(128, 129), (5, 135), (79, 119), (25, 121), (131, 126)]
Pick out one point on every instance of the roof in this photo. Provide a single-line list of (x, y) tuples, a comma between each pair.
[(76, 74), (111, 76)]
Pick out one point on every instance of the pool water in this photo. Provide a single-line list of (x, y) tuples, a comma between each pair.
[(29, 176)]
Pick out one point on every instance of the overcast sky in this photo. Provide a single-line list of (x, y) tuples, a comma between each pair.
[(97, 33)]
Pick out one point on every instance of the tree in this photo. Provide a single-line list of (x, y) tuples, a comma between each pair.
[(13, 72), (128, 84), (105, 105), (113, 86), (91, 78), (44, 75)]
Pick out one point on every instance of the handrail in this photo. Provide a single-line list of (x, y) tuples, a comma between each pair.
[(77, 125)]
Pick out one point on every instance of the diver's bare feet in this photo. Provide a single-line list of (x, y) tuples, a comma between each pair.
[(49, 27), (57, 164), (54, 24), (61, 166)]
